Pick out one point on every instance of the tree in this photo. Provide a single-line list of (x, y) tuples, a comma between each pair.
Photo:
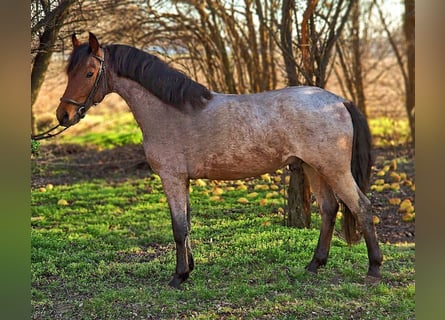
[(47, 20), (321, 26), (405, 49), (350, 50)]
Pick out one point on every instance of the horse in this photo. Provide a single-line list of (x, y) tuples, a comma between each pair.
[(190, 132)]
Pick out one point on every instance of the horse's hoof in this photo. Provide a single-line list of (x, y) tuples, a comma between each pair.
[(177, 279), (371, 280), (312, 267)]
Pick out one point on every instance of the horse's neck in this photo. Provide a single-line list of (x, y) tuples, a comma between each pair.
[(148, 110)]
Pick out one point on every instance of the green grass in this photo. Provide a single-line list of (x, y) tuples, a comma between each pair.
[(106, 132), (389, 132), (109, 253)]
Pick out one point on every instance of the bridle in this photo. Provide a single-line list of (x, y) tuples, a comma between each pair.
[(83, 107)]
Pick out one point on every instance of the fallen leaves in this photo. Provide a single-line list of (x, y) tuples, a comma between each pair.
[(395, 184)]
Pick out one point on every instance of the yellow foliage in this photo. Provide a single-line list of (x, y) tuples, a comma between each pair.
[(409, 216), (272, 194), (381, 173), (274, 187), (394, 164), (395, 201), (406, 206), (42, 189), (252, 195), (377, 188), (379, 182), (395, 186), (217, 191), (395, 176), (261, 187), (62, 202), (242, 187), (242, 200), (200, 183), (266, 177), (375, 220), (408, 183), (215, 198)]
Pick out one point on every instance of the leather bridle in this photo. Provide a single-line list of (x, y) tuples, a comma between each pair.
[(83, 107)]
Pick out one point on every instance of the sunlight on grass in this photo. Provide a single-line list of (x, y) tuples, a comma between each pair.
[(107, 251), (111, 247), (386, 131)]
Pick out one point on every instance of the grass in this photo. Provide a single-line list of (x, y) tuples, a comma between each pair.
[(103, 249), (106, 252)]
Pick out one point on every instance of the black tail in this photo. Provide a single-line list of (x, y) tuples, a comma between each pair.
[(361, 163)]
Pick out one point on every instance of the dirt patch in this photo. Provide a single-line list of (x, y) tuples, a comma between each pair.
[(67, 163)]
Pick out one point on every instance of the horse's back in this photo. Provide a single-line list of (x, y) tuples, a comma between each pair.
[(238, 136)]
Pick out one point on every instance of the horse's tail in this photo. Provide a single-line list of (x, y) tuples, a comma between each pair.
[(361, 163)]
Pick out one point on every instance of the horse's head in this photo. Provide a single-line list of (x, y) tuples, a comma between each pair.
[(87, 82)]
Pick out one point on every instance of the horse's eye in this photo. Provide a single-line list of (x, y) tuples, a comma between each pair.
[(89, 74)]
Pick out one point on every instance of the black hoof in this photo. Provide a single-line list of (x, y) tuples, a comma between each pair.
[(177, 279), (374, 272), (314, 265)]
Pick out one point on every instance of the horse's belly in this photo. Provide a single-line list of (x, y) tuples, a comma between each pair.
[(237, 166)]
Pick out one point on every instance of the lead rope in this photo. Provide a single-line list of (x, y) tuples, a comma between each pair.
[(47, 134)]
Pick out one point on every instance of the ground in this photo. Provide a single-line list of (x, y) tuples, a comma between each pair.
[(66, 163)]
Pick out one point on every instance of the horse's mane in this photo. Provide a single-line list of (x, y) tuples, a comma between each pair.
[(168, 84)]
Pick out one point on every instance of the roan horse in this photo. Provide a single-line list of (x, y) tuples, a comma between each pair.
[(190, 132)]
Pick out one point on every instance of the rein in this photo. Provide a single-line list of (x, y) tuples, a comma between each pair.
[(47, 134), (83, 107)]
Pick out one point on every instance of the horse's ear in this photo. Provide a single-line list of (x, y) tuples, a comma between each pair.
[(75, 41), (94, 44)]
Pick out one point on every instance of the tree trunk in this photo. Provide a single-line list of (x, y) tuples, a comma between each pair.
[(286, 42), (299, 204), (299, 196), (357, 57), (45, 51), (409, 30)]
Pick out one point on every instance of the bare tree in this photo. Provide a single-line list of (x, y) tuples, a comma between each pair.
[(321, 25), (46, 21), (402, 50), (350, 55)]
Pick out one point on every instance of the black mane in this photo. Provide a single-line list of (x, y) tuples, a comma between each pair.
[(168, 84)]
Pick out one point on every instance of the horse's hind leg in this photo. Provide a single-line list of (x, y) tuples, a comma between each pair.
[(360, 206), (328, 207)]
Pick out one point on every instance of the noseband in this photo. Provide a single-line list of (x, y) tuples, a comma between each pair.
[(83, 107)]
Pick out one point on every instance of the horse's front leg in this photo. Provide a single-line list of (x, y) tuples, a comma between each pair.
[(177, 191)]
